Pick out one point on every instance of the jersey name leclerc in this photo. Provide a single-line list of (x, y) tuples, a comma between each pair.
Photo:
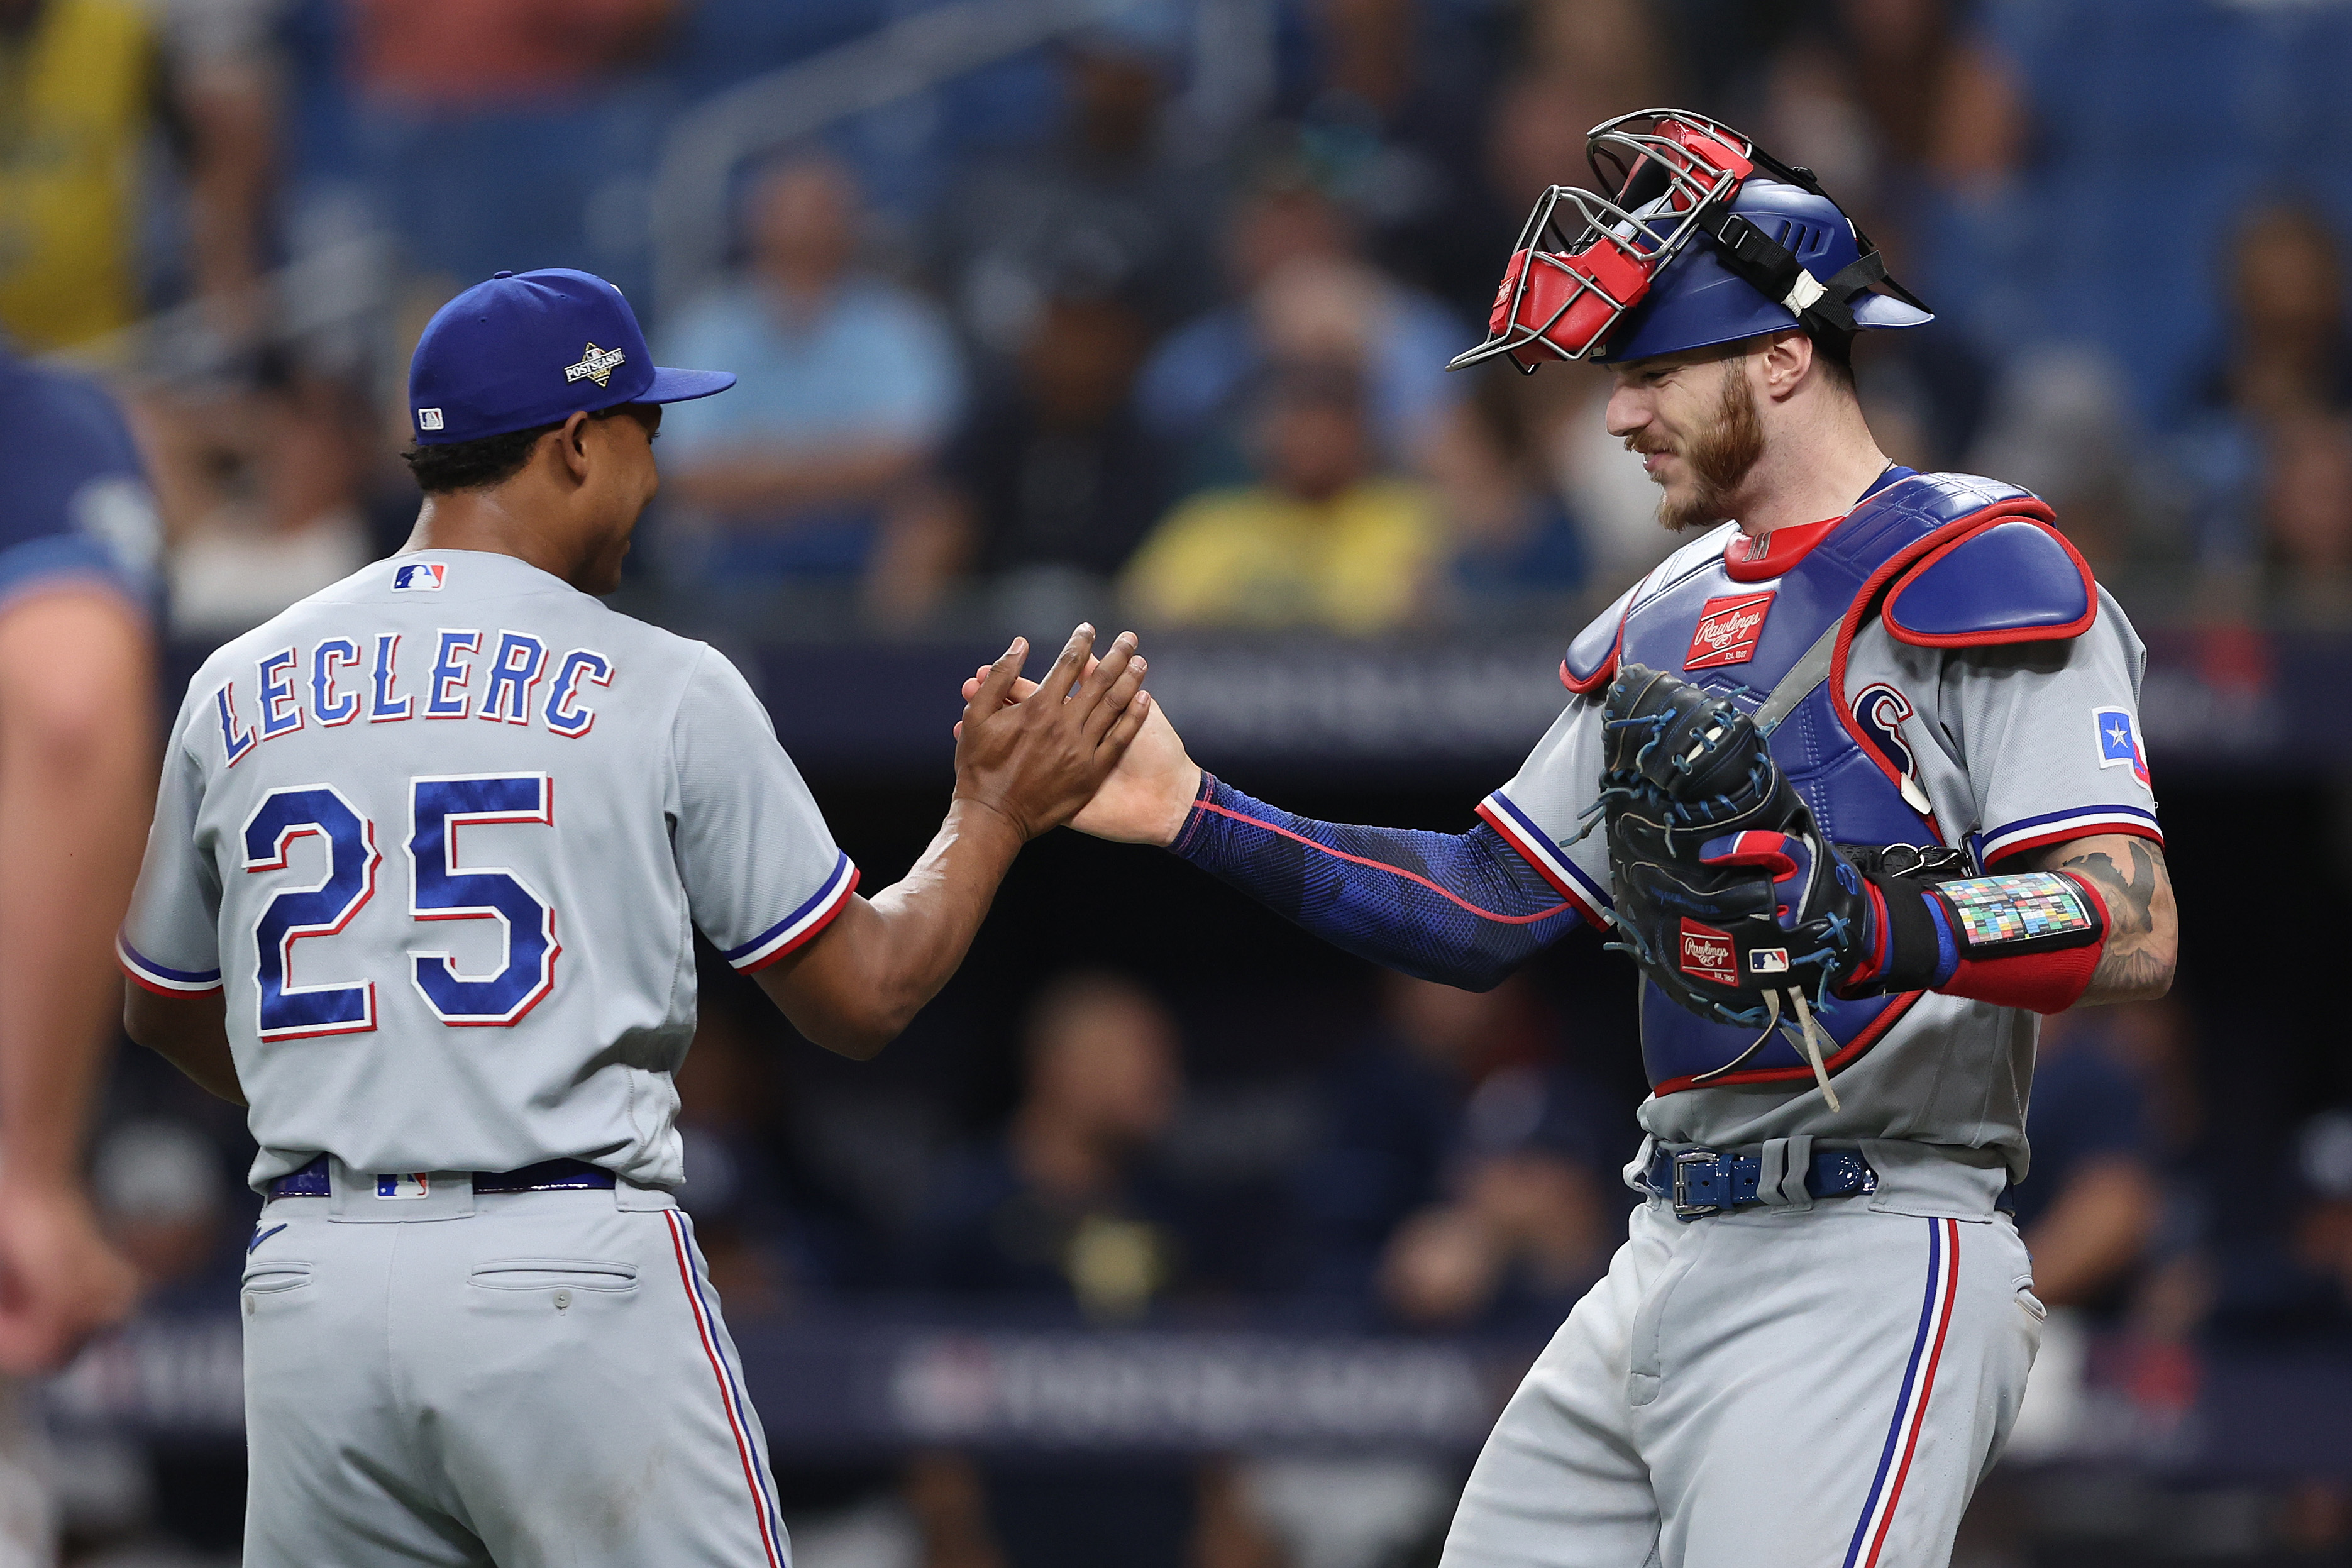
[(442, 835)]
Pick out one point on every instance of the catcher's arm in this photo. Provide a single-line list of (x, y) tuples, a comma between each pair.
[(1461, 908), (2143, 939)]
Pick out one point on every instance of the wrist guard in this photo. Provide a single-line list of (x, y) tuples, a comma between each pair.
[(2029, 940)]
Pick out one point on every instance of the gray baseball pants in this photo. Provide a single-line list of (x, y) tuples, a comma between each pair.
[(1820, 1387), (522, 1379)]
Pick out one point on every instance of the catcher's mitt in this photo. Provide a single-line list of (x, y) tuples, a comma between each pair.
[(1727, 895)]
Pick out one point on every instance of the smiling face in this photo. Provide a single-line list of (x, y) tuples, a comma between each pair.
[(1693, 418)]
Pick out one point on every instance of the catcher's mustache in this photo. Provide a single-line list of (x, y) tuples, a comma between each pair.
[(1635, 444)]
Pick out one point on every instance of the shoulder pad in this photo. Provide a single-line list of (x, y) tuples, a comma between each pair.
[(1956, 495), (2017, 580), (1591, 661)]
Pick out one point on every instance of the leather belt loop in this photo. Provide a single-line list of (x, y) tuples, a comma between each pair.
[(1785, 1187)]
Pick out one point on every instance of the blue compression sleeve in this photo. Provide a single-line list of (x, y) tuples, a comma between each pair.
[(1464, 908)]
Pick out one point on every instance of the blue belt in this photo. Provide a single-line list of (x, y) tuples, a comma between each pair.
[(548, 1177), (1701, 1182)]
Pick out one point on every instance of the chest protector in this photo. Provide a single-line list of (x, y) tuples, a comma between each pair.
[(1946, 561)]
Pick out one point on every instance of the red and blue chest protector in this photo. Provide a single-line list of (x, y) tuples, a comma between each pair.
[(1945, 560)]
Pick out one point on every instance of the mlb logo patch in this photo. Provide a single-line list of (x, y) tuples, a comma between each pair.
[(404, 1185), (418, 576), (428, 419), (1768, 960), (2119, 740), (1728, 630), (1706, 953)]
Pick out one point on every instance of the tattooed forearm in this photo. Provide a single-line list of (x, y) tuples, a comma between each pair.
[(2143, 928)]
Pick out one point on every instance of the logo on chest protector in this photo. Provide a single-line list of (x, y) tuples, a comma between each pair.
[(1706, 953), (1728, 630)]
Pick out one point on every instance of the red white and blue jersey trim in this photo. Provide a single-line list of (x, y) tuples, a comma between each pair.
[(2029, 833), (163, 978), (736, 1409), (1910, 1420), (801, 924), (1520, 830)]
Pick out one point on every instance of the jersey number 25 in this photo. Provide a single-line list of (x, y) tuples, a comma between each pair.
[(440, 889)]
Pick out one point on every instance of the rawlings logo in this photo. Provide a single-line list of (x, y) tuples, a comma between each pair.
[(1728, 630), (1708, 955)]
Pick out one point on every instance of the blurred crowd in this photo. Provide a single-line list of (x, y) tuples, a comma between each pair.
[(1118, 321), (1096, 329)]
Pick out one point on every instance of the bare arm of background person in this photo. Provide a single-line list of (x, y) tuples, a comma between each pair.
[(77, 784)]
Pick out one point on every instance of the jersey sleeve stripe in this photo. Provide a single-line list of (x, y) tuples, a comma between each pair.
[(1519, 831), (799, 925), (2058, 827), (161, 978)]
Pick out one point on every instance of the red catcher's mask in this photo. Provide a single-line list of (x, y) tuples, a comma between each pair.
[(1565, 289)]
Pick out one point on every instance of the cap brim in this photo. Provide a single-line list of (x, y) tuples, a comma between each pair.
[(685, 386), (1869, 310)]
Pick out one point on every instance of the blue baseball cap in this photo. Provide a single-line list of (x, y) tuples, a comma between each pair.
[(535, 348)]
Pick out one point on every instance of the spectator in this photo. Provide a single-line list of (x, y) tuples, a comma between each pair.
[(479, 54), (2062, 426), (2287, 356), (1056, 478), (1588, 60), (166, 1205), (1067, 1204), (1195, 389), (1103, 203), (263, 492), (849, 384), (1462, 1159), (767, 1240), (1525, 1225), (2306, 516), (90, 83), (2090, 1202), (1400, 102), (1067, 1207), (1325, 540), (1518, 545)]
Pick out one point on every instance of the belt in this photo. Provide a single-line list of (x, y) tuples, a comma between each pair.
[(1701, 1182), (549, 1175)]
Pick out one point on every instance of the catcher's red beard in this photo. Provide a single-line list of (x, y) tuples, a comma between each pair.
[(1721, 455)]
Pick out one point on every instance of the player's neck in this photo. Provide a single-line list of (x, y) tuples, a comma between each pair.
[(1815, 465), (490, 522)]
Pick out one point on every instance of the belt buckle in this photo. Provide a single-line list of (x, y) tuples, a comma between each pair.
[(1684, 1209)]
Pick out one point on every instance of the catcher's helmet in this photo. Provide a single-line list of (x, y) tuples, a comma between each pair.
[(1708, 239)]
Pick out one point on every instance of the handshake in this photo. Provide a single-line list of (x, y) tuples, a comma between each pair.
[(1086, 745)]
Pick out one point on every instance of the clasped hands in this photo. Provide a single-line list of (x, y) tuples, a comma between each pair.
[(1087, 745)]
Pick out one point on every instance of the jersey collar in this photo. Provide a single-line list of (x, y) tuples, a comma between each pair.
[(1748, 560)]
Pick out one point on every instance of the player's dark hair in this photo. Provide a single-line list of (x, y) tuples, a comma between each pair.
[(1834, 350), (476, 465)]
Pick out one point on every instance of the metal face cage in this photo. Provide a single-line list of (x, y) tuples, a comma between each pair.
[(1565, 289)]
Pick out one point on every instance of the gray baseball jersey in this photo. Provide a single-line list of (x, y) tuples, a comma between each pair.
[(2016, 748), (407, 997)]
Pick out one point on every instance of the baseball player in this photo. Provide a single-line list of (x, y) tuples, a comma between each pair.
[(427, 861), (78, 541), (1855, 777)]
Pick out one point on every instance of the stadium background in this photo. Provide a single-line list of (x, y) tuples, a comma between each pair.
[(1168, 1236)]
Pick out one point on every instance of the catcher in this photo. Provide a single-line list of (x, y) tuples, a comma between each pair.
[(1855, 777)]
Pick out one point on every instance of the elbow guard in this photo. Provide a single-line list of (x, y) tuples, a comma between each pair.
[(2029, 939)]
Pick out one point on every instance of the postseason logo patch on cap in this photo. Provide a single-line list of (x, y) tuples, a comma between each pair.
[(596, 364)]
